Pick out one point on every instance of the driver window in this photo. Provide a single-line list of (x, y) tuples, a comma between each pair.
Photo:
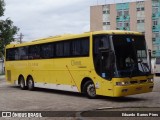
[(100, 41), (101, 45)]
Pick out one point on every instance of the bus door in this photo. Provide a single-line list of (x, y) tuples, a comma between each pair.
[(102, 62)]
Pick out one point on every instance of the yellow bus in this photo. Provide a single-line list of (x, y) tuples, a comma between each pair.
[(108, 63)]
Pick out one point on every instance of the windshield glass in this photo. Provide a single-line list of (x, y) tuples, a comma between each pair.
[(131, 55)]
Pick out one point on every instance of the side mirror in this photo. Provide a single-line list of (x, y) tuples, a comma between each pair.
[(111, 64), (149, 52), (112, 60), (102, 49)]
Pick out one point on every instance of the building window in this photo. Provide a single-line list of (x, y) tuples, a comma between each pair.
[(155, 22), (156, 48), (138, 9), (119, 13), (140, 21), (119, 24), (126, 24), (155, 10), (126, 13), (156, 35), (153, 39), (142, 8), (155, 3), (108, 11), (106, 23), (104, 12)]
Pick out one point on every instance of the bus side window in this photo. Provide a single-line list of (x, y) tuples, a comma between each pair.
[(47, 50), (16, 53), (34, 52), (23, 53), (85, 46), (80, 47), (10, 54), (67, 48), (76, 48), (59, 49)]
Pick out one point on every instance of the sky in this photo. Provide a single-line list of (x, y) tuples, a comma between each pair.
[(44, 18)]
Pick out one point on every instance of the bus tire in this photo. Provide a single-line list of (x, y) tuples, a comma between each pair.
[(89, 89), (30, 84), (22, 83)]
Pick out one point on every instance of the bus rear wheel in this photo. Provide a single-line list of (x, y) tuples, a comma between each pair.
[(30, 83), (89, 89), (22, 83)]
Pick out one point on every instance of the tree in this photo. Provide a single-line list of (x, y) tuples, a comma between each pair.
[(2, 4), (7, 30)]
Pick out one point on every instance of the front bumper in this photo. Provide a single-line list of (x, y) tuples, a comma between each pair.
[(132, 89)]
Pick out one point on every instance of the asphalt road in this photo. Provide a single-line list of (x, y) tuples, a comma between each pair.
[(14, 99)]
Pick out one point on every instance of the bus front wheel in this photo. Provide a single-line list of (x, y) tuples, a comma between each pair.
[(30, 83), (89, 89)]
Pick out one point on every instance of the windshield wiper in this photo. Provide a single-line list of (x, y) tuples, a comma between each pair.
[(144, 66), (132, 69)]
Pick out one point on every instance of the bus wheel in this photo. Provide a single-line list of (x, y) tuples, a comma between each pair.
[(89, 89), (30, 83), (22, 83)]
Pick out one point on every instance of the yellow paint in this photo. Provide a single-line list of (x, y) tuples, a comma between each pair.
[(71, 71)]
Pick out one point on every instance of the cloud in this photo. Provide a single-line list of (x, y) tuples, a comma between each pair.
[(43, 18)]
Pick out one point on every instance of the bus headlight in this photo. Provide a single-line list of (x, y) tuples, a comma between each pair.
[(122, 83), (150, 80)]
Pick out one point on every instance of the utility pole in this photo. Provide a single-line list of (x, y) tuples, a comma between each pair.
[(20, 37)]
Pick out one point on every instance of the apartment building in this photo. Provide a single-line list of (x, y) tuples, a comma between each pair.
[(142, 16)]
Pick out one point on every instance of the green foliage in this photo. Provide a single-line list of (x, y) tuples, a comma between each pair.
[(7, 30), (2, 4)]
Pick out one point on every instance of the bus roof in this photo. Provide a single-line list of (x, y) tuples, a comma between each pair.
[(72, 36)]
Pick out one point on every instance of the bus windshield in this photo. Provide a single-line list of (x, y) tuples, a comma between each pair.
[(131, 55)]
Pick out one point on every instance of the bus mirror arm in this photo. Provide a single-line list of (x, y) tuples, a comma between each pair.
[(102, 49), (112, 62), (149, 52)]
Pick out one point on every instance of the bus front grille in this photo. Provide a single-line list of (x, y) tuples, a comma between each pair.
[(143, 81), (133, 82)]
